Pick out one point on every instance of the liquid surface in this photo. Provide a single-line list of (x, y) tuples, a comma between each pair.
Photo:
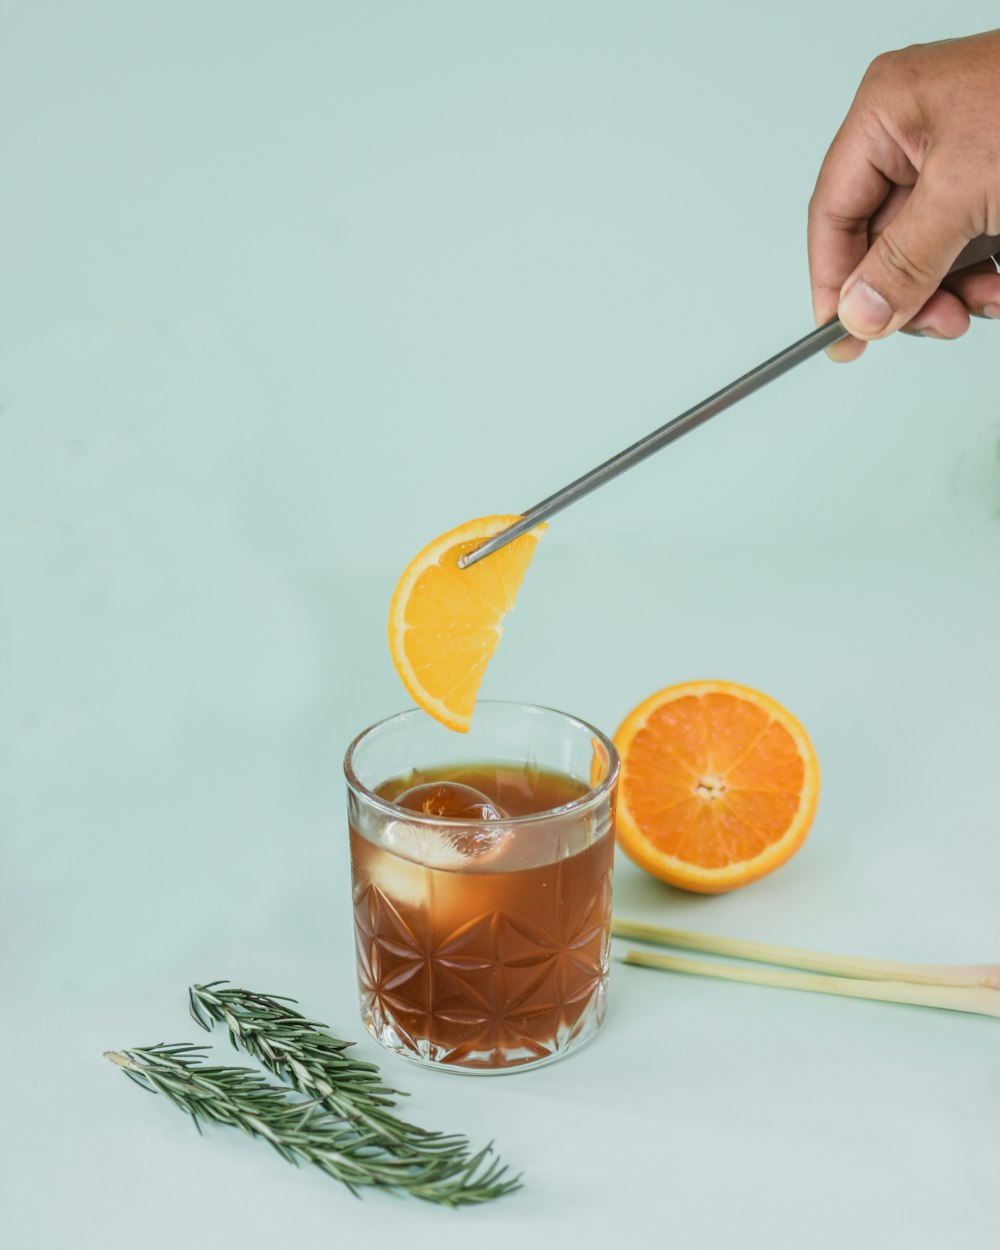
[(516, 790), (476, 949)]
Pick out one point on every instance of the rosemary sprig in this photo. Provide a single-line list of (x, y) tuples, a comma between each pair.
[(306, 1131), (299, 1052), (345, 1127)]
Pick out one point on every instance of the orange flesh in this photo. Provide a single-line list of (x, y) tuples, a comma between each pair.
[(446, 622), (719, 785), (713, 780)]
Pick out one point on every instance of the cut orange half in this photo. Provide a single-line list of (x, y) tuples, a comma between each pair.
[(719, 785), (445, 622)]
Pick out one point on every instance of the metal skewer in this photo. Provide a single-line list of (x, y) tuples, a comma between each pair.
[(979, 251), (815, 342)]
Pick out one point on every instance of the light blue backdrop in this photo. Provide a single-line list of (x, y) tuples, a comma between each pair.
[(286, 290)]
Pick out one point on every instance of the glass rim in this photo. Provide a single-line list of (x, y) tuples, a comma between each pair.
[(593, 796)]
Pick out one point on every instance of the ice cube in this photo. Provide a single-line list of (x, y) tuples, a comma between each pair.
[(477, 838), (451, 800)]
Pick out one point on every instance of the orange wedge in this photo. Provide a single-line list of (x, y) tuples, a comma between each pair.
[(719, 785), (445, 622)]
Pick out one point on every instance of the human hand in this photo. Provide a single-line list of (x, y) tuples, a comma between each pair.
[(912, 176)]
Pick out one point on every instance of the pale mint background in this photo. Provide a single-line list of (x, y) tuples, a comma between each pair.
[(286, 289)]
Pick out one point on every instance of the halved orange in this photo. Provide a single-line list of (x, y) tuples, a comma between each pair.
[(719, 785), (445, 622)]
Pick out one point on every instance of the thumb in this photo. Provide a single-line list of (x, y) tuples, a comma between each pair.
[(904, 266)]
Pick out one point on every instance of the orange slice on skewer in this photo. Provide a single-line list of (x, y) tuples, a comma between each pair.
[(446, 622)]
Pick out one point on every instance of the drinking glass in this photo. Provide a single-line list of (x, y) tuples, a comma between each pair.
[(483, 940)]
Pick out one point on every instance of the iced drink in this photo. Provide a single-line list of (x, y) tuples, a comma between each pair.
[(482, 905)]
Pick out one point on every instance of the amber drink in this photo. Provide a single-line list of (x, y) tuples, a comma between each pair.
[(481, 869)]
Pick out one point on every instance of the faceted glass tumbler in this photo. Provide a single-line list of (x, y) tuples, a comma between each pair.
[(483, 944)]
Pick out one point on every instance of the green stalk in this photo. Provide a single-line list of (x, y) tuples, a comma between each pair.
[(857, 966), (978, 999)]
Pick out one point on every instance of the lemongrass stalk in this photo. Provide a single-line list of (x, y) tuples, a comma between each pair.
[(813, 961), (976, 999)]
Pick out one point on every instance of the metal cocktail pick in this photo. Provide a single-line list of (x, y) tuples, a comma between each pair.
[(815, 342), (979, 250)]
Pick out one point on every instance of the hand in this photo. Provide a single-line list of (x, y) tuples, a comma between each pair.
[(911, 177)]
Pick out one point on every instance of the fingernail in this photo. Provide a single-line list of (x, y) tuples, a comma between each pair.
[(863, 311), (927, 332), (840, 353), (992, 310)]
